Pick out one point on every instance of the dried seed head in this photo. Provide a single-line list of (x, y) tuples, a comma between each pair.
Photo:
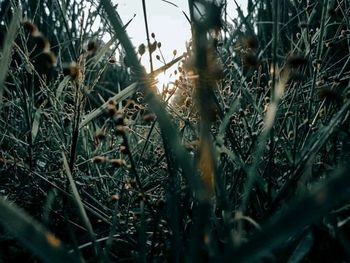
[(91, 46), (112, 102), (115, 197), (119, 118), (295, 61), (142, 49), (174, 52), (330, 95), (153, 35), (250, 60), (117, 162), (123, 149), (251, 42), (153, 47), (46, 59), (30, 26), (99, 159), (120, 129), (150, 117), (41, 42), (159, 45), (111, 109), (72, 70)]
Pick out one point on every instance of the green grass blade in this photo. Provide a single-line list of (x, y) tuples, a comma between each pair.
[(6, 53), (291, 221), (32, 234)]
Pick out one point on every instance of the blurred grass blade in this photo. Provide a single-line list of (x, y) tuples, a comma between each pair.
[(292, 220), (5, 57), (302, 248), (169, 131), (32, 234)]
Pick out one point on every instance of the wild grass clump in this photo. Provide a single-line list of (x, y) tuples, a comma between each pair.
[(244, 157)]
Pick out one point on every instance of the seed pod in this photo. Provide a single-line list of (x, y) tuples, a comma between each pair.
[(30, 26), (46, 60), (150, 117), (72, 70), (142, 49), (117, 162), (99, 159), (250, 60), (123, 149), (119, 118), (330, 95), (115, 197), (111, 109), (295, 61), (91, 47), (120, 129), (153, 47), (251, 42), (40, 41)]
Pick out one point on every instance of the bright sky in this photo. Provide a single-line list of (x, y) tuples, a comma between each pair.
[(166, 21)]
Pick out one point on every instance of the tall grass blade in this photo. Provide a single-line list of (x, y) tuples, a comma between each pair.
[(32, 234), (6, 51)]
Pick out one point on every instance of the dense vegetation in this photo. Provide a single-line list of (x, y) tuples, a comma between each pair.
[(244, 158)]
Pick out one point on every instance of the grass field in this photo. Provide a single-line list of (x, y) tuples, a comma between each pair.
[(242, 157)]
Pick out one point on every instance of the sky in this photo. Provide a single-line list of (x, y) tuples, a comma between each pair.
[(166, 21)]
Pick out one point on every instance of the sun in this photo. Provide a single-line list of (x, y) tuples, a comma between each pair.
[(165, 82), (162, 82)]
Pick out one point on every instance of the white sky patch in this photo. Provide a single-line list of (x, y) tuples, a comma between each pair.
[(166, 21)]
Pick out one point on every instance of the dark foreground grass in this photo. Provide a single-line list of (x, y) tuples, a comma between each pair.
[(245, 158)]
